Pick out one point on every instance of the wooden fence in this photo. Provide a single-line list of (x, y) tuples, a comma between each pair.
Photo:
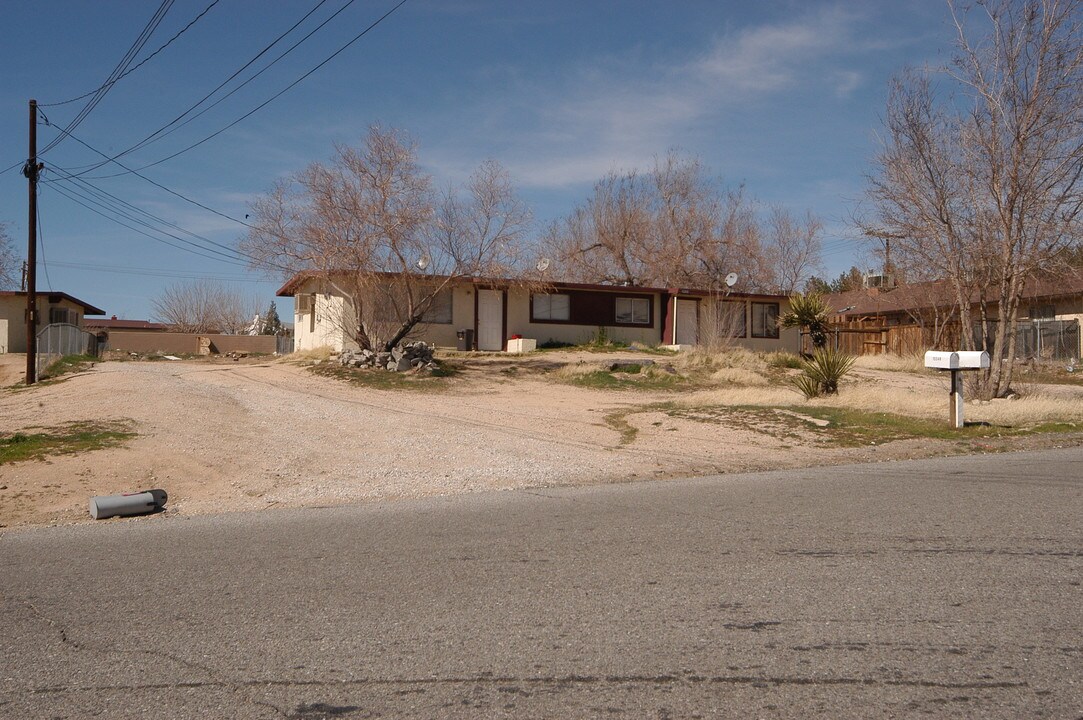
[(1045, 340), (867, 338)]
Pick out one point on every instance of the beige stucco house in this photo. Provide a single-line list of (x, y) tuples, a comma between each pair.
[(52, 307), (496, 311)]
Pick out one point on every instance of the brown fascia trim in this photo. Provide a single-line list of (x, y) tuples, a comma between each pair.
[(692, 292), (290, 288), (88, 309)]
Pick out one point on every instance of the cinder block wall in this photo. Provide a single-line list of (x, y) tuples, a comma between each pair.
[(187, 343)]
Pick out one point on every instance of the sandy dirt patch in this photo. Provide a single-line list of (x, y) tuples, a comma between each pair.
[(243, 436)]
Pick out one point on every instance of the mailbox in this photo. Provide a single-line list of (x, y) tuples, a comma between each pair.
[(956, 361), (973, 360), (961, 360)]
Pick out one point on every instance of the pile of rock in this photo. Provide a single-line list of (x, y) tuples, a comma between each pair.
[(411, 356)]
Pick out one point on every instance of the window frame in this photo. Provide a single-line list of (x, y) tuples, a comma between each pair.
[(71, 316), (770, 329), (438, 303), (534, 318), (633, 300)]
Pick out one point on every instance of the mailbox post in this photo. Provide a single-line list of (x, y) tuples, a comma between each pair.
[(956, 362)]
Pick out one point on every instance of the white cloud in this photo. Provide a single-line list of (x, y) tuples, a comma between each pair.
[(622, 112)]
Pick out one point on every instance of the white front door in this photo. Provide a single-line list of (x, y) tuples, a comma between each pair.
[(490, 320), (687, 319)]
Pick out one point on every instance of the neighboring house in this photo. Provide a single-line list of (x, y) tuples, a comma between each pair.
[(496, 310), (114, 325), (1058, 298), (1050, 314), (52, 307)]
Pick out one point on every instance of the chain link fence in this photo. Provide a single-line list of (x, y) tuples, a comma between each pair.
[(59, 339), (1046, 340)]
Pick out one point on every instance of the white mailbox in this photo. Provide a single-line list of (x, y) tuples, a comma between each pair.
[(956, 361), (961, 360), (973, 360)]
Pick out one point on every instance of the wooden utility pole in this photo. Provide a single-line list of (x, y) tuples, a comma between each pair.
[(31, 170)]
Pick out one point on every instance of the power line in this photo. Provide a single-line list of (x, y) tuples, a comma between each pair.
[(159, 185), (41, 244), (100, 192), (276, 95), (125, 61), (75, 197), (142, 62), (255, 260), (154, 136), (157, 272), (107, 200)]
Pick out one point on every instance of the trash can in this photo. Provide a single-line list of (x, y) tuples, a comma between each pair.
[(464, 339)]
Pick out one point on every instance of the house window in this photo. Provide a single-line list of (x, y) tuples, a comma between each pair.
[(633, 311), (304, 304), (439, 312), (551, 307), (63, 315), (764, 320)]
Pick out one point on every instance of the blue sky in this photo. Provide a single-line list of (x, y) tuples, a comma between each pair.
[(785, 97)]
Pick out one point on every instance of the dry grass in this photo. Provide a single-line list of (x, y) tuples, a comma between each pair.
[(926, 400), (575, 371), (893, 363), (743, 396), (738, 376), (707, 362), (320, 353)]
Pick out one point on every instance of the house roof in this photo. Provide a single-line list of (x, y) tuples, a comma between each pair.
[(294, 284), (88, 309), (925, 295), (114, 324)]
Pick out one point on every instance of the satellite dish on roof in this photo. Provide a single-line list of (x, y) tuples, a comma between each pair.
[(731, 279), (543, 265), (423, 261)]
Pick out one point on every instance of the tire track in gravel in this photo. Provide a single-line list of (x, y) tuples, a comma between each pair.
[(459, 420)]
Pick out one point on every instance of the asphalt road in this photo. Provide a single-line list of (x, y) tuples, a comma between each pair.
[(944, 588)]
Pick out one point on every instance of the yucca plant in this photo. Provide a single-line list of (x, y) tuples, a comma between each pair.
[(809, 312), (822, 372), (809, 387)]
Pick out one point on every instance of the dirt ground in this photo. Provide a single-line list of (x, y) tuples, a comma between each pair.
[(223, 436)]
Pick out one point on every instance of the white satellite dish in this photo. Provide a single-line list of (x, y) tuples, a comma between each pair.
[(543, 265), (423, 261), (731, 279)]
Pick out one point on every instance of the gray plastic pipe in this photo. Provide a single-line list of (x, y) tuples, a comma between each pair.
[(136, 503)]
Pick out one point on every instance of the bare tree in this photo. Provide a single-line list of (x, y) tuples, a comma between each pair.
[(205, 306), (9, 261), (983, 184), (793, 248), (679, 226), (607, 240), (371, 227)]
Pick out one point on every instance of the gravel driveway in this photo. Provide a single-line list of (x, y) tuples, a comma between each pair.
[(246, 436)]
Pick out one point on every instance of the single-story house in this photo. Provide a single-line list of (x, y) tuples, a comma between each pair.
[(52, 307), (114, 324), (496, 311), (1059, 298), (1050, 313)]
